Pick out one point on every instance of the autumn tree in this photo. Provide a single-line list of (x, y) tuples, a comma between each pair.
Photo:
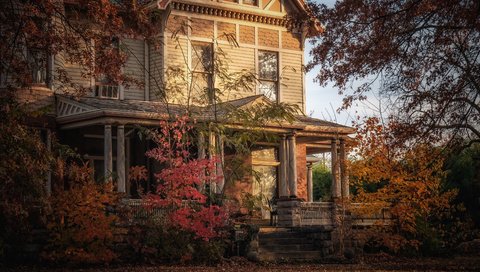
[(423, 54), (32, 32), (408, 180)]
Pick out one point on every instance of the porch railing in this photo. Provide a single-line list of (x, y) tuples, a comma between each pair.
[(140, 210), (357, 214), (369, 214)]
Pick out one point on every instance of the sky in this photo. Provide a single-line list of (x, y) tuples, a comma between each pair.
[(323, 102)]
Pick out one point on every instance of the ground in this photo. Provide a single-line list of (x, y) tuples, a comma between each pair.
[(369, 263)]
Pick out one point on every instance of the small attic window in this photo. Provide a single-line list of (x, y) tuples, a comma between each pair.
[(250, 2)]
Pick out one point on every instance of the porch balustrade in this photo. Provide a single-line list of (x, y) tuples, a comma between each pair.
[(139, 210)]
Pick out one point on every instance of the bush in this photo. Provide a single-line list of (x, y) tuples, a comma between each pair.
[(322, 182), (81, 230), (156, 242)]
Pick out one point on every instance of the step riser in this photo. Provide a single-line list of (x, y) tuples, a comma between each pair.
[(285, 241), (287, 245), (286, 248)]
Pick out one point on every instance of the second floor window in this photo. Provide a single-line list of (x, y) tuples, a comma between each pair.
[(202, 68), (104, 87), (37, 60), (268, 74)]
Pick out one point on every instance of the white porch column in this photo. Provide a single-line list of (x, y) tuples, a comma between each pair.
[(201, 146), (48, 186), (336, 186), (292, 165), (201, 155), (211, 155), (282, 171), (219, 164), (309, 182), (107, 153), (121, 182), (344, 171)]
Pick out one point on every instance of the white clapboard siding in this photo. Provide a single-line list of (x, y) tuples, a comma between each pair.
[(155, 71), (292, 79), (238, 60), (134, 68), (74, 72), (176, 51)]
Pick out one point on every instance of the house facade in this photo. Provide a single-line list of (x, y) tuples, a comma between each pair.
[(249, 37)]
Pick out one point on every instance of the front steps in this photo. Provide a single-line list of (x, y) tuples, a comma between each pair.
[(293, 244)]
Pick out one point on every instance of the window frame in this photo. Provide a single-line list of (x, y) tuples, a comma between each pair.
[(277, 77), (101, 84)]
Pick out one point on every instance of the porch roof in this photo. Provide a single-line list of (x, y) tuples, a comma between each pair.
[(83, 111)]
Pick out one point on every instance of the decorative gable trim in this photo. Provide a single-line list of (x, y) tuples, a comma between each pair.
[(68, 107)]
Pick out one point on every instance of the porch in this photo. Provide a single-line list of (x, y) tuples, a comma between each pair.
[(289, 180)]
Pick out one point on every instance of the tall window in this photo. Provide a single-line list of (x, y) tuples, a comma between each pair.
[(104, 87), (202, 68), (37, 59), (268, 74)]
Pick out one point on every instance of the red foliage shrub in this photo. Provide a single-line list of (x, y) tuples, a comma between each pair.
[(181, 180)]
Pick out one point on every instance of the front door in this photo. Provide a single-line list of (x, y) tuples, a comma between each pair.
[(265, 163), (265, 187)]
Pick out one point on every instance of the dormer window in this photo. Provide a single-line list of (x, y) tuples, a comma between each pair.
[(250, 2), (268, 74), (245, 2)]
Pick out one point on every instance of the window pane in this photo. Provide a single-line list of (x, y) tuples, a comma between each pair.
[(201, 81), (265, 154), (268, 65), (269, 89), (202, 57), (250, 2)]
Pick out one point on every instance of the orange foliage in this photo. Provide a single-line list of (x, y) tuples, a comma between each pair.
[(407, 179), (81, 231)]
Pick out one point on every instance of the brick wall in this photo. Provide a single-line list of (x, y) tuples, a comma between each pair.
[(224, 29), (247, 34), (301, 171), (37, 98), (291, 41), (267, 37), (202, 28)]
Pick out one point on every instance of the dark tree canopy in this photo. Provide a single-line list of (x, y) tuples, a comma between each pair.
[(425, 54)]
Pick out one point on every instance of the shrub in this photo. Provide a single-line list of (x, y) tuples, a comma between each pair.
[(81, 230)]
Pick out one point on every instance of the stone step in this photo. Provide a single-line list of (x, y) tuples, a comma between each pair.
[(292, 255), (284, 241), (285, 248), (273, 229), (281, 234)]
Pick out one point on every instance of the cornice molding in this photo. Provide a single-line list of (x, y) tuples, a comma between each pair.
[(230, 13)]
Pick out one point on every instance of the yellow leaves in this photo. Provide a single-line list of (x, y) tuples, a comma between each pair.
[(405, 179)]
